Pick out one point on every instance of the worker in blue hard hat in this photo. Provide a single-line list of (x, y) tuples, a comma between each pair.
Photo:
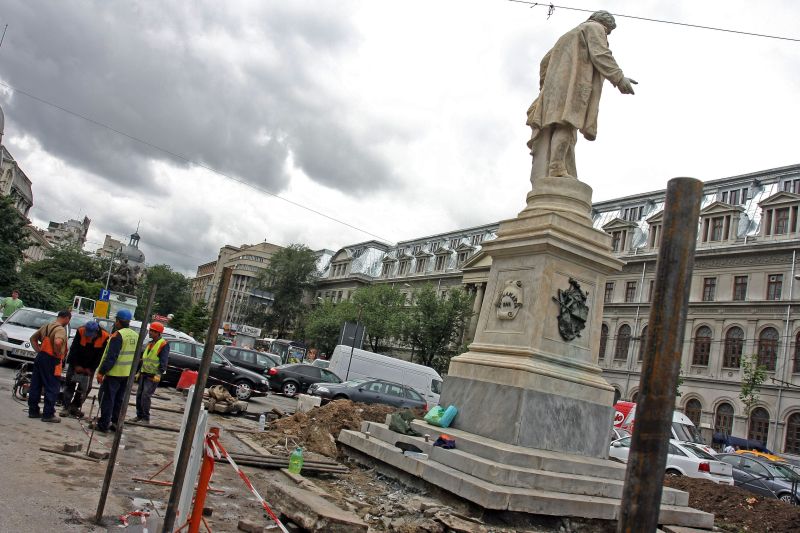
[(114, 369), (84, 357)]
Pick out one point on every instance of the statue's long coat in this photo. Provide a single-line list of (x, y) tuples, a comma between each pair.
[(571, 80)]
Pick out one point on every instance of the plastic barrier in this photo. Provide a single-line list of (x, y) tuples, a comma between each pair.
[(187, 379)]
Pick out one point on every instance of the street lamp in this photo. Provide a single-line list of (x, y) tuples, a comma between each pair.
[(353, 344)]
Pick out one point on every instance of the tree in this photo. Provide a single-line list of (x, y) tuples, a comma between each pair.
[(62, 264), (291, 272), (193, 320), (434, 325), (323, 325), (172, 293), (382, 311), (13, 242), (753, 375)]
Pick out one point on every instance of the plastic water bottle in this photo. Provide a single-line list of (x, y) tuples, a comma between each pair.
[(262, 422), (296, 461)]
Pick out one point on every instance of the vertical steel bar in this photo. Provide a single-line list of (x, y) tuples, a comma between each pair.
[(197, 402), (137, 356), (644, 478)]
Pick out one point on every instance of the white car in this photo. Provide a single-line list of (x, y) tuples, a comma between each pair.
[(682, 460), (16, 331)]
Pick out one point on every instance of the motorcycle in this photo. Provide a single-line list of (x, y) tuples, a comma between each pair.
[(22, 381)]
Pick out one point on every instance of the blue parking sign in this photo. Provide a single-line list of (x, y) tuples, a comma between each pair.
[(104, 295)]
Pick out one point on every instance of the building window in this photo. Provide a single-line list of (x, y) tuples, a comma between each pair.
[(739, 288), (797, 353), (462, 257), (650, 290), (435, 246), (609, 293), (403, 267), (781, 221), (702, 346), (635, 396), (723, 420), (441, 262), (454, 243), (422, 264), (735, 196), (792, 186), (717, 224), (734, 342), (416, 249), (768, 348), (633, 214), (693, 410), (709, 288), (655, 235), (618, 241), (386, 270), (774, 286), (759, 425), (793, 434), (623, 342), (475, 240), (603, 342), (630, 291), (642, 339)]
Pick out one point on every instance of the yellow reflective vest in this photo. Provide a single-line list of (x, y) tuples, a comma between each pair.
[(122, 366), (150, 359)]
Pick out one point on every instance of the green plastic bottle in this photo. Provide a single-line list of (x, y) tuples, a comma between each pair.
[(296, 461)]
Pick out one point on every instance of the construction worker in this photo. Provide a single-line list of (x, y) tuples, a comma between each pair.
[(154, 364), (50, 343), (83, 359), (114, 369)]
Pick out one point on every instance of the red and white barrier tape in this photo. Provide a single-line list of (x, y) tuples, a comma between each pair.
[(142, 514)]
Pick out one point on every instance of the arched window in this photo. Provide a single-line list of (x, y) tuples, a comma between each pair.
[(759, 425), (642, 339), (723, 419), (635, 396), (617, 395), (797, 353), (702, 346), (734, 342), (693, 410), (768, 348), (623, 342), (793, 434), (603, 342)]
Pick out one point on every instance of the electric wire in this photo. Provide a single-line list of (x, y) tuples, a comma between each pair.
[(552, 7), (190, 161)]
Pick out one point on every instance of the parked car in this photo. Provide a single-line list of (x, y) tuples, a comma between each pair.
[(16, 331), (321, 363), (764, 477), (370, 391), (298, 377), (619, 433), (761, 455), (241, 382), (683, 460), (246, 358)]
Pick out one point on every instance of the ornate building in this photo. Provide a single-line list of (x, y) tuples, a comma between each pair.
[(70, 233), (743, 296)]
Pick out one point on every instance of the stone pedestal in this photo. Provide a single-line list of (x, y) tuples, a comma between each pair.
[(522, 382)]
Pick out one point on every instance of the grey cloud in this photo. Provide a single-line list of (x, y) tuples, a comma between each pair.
[(143, 69)]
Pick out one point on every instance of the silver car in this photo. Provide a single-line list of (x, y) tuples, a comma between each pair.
[(16, 331)]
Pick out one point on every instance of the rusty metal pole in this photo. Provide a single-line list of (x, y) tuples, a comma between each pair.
[(137, 356), (644, 478), (197, 403)]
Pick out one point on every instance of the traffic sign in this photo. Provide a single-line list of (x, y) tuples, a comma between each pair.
[(104, 295)]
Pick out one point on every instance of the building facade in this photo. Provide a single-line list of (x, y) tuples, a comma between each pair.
[(14, 183), (744, 295), (70, 233)]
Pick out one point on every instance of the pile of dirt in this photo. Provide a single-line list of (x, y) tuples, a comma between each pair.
[(736, 509), (316, 430)]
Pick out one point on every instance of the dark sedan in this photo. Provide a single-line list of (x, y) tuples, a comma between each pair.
[(241, 382), (764, 477), (370, 391), (250, 359), (298, 377)]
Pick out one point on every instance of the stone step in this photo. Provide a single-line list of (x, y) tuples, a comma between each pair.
[(515, 476), (497, 497), (509, 454)]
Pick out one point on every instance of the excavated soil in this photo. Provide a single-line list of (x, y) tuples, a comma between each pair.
[(737, 510)]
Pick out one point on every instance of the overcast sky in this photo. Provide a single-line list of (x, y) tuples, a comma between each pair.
[(402, 118)]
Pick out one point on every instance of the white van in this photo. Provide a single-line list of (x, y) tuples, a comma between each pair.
[(364, 364)]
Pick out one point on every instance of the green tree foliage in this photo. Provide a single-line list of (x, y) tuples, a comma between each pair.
[(172, 293), (36, 292), (12, 243), (753, 376), (323, 325), (434, 325), (382, 312), (291, 272), (62, 264), (193, 320)]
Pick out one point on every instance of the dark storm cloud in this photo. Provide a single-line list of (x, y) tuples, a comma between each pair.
[(237, 92)]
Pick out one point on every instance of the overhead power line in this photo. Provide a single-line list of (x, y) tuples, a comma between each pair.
[(191, 161), (551, 8)]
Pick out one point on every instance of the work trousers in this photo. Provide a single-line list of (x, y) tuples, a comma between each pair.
[(44, 378), (74, 393), (147, 387), (112, 393)]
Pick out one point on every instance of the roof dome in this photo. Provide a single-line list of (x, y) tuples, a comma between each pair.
[(132, 254)]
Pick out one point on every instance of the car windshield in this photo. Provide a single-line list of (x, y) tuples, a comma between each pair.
[(687, 433), (697, 452), (778, 470), (354, 382), (623, 432), (436, 386), (80, 320), (263, 360), (30, 319)]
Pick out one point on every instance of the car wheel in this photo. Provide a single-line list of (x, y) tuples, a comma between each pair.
[(289, 388), (672, 472), (340, 397), (244, 390), (788, 498)]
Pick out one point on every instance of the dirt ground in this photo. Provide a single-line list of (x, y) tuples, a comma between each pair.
[(736, 509)]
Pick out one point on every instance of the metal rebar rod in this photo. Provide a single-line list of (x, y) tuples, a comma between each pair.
[(137, 356), (644, 478), (197, 402)]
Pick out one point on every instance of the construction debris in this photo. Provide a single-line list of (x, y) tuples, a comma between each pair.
[(273, 462), (221, 401)]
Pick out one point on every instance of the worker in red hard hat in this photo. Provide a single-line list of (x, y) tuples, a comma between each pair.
[(154, 365)]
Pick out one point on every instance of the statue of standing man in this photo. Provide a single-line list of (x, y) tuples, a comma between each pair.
[(571, 78)]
